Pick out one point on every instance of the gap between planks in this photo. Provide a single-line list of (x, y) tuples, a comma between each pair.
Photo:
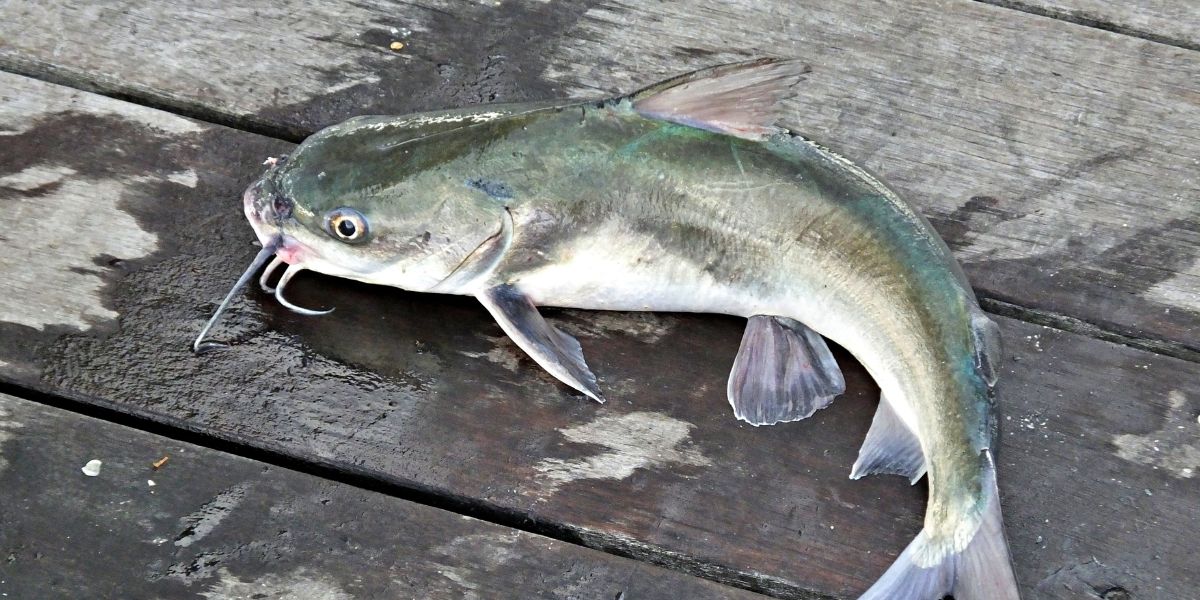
[(621, 546), (1085, 21), (142, 96), (48, 73), (1084, 328)]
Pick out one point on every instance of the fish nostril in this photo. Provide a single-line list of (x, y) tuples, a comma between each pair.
[(282, 207)]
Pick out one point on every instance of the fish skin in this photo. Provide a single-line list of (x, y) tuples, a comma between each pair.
[(611, 210)]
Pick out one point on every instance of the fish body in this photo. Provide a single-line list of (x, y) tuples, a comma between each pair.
[(683, 197)]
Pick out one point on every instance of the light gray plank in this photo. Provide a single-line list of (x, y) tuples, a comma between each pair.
[(1059, 161), (422, 391), (1175, 22), (293, 65), (218, 526)]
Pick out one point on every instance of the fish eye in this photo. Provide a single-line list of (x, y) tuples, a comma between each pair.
[(346, 224)]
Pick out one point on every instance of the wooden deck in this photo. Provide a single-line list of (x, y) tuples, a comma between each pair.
[(404, 448)]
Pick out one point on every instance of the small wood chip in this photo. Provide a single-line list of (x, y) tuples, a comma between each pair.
[(397, 46), (92, 468), (158, 464)]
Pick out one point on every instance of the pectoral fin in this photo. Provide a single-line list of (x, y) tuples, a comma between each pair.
[(891, 447), (557, 352), (783, 372)]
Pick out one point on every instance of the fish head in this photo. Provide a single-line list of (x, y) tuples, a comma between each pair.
[(358, 212)]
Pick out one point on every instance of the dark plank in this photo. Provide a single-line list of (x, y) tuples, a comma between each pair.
[(216, 525), (1057, 160), (424, 391)]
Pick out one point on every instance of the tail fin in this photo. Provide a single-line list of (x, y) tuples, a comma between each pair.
[(981, 571)]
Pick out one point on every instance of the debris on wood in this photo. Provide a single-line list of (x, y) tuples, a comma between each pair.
[(92, 468), (158, 464)]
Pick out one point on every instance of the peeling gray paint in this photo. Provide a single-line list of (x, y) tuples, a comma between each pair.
[(461, 578), (85, 222), (7, 425), (504, 353), (22, 112), (485, 552), (645, 326), (202, 522), (1182, 289), (636, 440), (1175, 448), (296, 585)]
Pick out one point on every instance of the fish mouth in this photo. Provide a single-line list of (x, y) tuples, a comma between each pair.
[(267, 211)]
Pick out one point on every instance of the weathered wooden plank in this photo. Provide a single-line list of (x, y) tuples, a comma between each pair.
[(1175, 22), (213, 525), (1098, 456), (1059, 161)]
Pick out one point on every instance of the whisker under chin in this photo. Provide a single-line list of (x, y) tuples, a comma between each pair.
[(283, 281), (200, 345), (266, 275)]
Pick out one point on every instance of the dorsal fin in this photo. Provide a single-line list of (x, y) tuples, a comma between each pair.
[(739, 99)]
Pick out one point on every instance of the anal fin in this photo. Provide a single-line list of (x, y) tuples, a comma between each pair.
[(784, 371), (891, 448), (558, 353)]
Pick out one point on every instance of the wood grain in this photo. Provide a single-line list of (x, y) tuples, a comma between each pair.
[(424, 392), (215, 525), (1059, 161)]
